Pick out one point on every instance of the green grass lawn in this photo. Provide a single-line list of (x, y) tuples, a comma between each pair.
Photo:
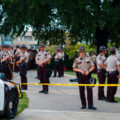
[(117, 99), (23, 104)]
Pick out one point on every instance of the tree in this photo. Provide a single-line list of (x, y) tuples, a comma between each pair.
[(16, 16), (95, 21)]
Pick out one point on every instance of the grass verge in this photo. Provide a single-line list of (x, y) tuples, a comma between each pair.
[(23, 104), (117, 99)]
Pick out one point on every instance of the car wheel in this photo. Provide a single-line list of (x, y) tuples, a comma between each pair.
[(11, 105)]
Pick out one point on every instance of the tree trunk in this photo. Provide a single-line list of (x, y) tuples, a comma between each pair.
[(101, 38)]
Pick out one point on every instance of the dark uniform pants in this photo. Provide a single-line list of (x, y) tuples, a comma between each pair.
[(102, 79), (85, 80), (111, 91), (23, 73), (17, 69), (6, 70), (57, 68), (61, 68), (43, 77)]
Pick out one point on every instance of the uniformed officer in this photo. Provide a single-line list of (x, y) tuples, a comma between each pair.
[(17, 57), (62, 63), (84, 66), (101, 71), (11, 53), (57, 67), (6, 68), (1, 51), (22, 64), (42, 59), (113, 73)]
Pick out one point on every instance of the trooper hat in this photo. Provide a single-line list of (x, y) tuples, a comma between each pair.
[(112, 49), (42, 45), (102, 48), (23, 47), (58, 49), (82, 49), (5, 45)]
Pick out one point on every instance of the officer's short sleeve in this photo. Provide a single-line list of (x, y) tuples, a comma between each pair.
[(75, 64), (118, 61), (22, 57), (99, 60), (7, 55), (48, 55), (91, 62), (10, 54), (36, 56)]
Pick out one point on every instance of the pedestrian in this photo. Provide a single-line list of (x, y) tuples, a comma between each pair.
[(42, 59), (84, 66), (101, 71), (113, 74), (22, 64)]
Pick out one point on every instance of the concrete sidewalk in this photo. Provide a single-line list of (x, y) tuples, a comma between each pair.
[(63, 103)]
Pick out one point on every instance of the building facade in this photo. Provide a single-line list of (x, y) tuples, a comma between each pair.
[(27, 40)]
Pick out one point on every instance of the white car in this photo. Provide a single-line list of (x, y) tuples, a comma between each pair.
[(9, 99)]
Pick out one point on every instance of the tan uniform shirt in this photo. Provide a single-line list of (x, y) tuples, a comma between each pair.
[(93, 58), (24, 57), (112, 63), (58, 56), (41, 56), (5, 55), (18, 52), (62, 55), (1, 54), (11, 53), (83, 64), (101, 59)]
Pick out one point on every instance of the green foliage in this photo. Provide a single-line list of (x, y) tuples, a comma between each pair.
[(81, 18)]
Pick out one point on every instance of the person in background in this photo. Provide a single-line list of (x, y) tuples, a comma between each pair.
[(42, 59), (57, 67), (113, 74), (101, 71), (22, 64), (5, 61)]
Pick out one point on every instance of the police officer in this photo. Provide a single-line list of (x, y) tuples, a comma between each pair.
[(42, 59), (6, 68), (17, 57), (22, 64), (57, 67), (62, 63), (113, 73), (101, 71), (84, 66)]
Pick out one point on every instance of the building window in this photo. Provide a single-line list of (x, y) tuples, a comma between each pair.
[(27, 38)]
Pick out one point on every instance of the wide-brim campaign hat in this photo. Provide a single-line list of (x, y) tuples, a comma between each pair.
[(23, 47), (112, 49), (42, 45), (82, 49), (102, 48)]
